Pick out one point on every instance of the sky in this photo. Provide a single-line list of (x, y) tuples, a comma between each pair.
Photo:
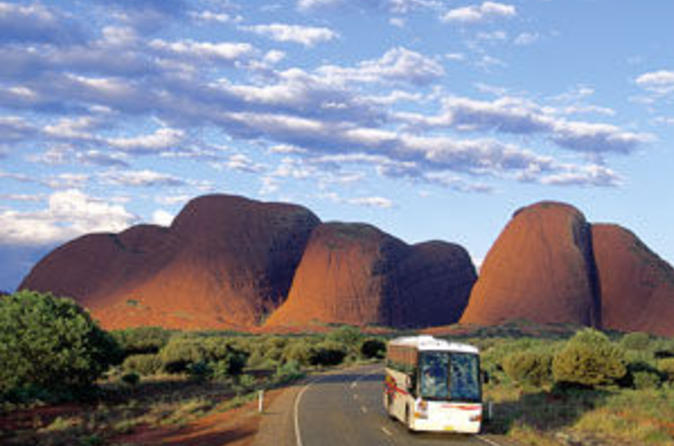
[(431, 119)]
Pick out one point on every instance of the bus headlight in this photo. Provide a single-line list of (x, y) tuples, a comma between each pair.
[(421, 409)]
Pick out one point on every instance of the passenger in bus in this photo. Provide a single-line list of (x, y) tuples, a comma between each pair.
[(434, 381)]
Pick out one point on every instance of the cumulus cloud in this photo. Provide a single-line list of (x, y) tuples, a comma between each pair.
[(520, 116), (240, 162), (143, 178), (219, 51), (162, 139), (36, 23), (397, 64), (162, 217), (305, 35), (661, 82), (526, 38), (478, 13), (69, 213)]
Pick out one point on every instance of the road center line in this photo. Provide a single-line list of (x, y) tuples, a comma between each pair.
[(363, 409), (386, 431)]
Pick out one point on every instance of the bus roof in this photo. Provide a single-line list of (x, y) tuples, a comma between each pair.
[(426, 342)]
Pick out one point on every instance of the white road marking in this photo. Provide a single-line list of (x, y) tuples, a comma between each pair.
[(354, 384), (386, 431), (487, 440), (298, 436), (355, 396), (363, 409)]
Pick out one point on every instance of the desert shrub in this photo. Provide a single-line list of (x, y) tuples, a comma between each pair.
[(299, 351), (142, 340), (51, 343), (131, 379), (144, 364), (529, 368), (373, 348), (641, 375), (181, 352), (589, 359), (666, 367), (646, 380), (347, 336), (288, 372), (635, 341), (199, 371), (327, 353), (246, 383)]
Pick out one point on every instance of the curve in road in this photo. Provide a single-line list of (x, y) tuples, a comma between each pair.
[(345, 408)]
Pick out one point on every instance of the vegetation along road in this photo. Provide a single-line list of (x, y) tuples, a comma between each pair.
[(345, 408)]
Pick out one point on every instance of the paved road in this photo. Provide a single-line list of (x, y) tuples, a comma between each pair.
[(344, 408)]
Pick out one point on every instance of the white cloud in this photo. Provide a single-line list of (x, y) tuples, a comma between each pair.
[(162, 139), (526, 38), (376, 202), (493, 36), (242, 163), (397, 64), (172, 199), (36, 23), (162, 218), (223, 51), (310, 4), (70, 213), (305, 35), (478, 13), (520, 116), (210, 16), (140, 178), (661, 82), (591, 175)]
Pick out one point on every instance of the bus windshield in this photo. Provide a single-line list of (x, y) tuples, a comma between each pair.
[(446, 376), (464, 380), (433, 367)]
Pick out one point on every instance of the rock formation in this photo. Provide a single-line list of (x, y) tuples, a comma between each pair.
[(225, 262), (540, 268), (356, 274), (637, 287)]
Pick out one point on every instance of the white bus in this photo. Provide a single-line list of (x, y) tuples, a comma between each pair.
[(433, 385)]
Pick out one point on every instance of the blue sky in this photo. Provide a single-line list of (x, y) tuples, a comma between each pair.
[(430, 119)]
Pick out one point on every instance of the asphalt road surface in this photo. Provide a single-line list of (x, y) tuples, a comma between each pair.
[(345, 408)]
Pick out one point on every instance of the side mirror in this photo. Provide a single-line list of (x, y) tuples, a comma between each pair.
[(485, 377)]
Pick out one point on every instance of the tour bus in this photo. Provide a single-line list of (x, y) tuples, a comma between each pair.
[(433, 385)]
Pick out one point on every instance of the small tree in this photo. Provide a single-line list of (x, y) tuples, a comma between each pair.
[(529, 367), (50, 343), (589, 359)]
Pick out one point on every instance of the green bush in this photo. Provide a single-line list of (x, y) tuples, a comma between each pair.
[(182, 351), (142, 340), (589, 359), (299, 351), (635, 341), (146, 364), (288, 372), (642, 375), (530, 368), (131, 379), (666, 367), (646, 380), (373, 348), (51, 343), (347, 336), (327, 353)]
